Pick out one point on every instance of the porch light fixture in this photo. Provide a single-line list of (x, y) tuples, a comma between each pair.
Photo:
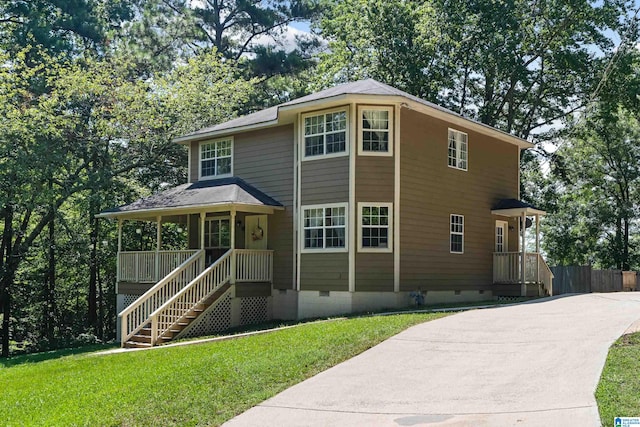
[(239, 223)]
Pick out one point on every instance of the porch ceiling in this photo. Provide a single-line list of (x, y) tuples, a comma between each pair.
[(204, 196), (515, 208)]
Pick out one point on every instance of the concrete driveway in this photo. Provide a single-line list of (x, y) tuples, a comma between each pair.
[(534, 364)]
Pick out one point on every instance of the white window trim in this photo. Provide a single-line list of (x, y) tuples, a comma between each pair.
[(457, 150), (330, 155), (361, 151), (211, 141), (217, 218), (460, 234), (389, 248), (324, 250)]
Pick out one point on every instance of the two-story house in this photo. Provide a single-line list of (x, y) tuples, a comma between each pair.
[(356, 198)]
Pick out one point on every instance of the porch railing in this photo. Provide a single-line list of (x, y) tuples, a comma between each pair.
[(149, 266), (507, 269), (135, 316), (254, 265)]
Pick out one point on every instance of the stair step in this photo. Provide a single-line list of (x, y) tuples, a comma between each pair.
[(134, 344), (141, 338)]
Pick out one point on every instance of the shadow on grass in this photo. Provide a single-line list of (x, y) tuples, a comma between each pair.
[(53, 354)]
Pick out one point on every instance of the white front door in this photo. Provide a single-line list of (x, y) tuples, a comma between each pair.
[(255, 234), (502, 241)]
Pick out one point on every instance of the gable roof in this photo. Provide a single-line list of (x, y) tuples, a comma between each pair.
[(368, 87), (224, 191)]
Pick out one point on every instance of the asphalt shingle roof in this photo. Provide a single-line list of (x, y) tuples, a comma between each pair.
[(360, 87), (203, 193)]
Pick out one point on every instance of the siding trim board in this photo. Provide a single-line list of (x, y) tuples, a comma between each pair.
[(396, 203)]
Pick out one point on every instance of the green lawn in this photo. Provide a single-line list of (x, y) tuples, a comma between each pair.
[(204, 384), (618, 393)]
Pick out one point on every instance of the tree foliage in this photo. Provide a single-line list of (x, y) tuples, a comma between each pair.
[(513, 64)]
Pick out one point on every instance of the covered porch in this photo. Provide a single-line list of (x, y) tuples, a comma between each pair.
[(195, 223), (521, 272)]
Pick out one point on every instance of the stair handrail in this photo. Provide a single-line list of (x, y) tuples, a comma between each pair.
[(135, 316), (200, 288)]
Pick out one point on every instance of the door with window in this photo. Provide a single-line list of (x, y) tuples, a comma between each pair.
[(502, 242), (217, 237)]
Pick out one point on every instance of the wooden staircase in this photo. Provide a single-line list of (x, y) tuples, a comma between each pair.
[(164, 311), (142, 339)]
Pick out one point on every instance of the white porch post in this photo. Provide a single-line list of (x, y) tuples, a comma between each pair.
[(538, 248), (158, 244), (119, 250), (232, 225), (523, 261), (202, 218)]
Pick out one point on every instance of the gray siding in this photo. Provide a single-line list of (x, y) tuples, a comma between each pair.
[(325, 181), (194, 154), (324, 272), (374, 272), (264, 159), (374, 179), (431, 191)]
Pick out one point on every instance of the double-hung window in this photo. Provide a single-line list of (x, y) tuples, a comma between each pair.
[(325, 134), (458, 149), (375, 227), (324, 228), (375, 131), (216, 158), (456, 234)]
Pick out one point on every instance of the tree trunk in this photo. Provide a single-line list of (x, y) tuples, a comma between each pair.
[(5, 297), (50, 304)]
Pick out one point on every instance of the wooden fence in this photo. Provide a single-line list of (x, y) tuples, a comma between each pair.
[(584, 279)]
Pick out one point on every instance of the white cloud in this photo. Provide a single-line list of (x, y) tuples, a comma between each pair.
[(287, 40)]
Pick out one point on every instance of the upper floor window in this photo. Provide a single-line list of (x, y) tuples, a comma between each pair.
[(456, 236), (375, 130), (375, 231), (457, 149), (325, 134), (324, 227), (216, 158)]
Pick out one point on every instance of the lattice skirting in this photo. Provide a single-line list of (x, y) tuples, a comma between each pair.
[(125, 301), (216, 319), (253, 310)]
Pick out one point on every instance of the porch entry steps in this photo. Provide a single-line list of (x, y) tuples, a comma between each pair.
[(143, 338), (160, 314)]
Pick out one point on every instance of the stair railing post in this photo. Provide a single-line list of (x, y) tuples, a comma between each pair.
[(124, 321), (154, 329)]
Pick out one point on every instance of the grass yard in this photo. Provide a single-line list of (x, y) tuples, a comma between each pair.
[(204, 384), (618, 393)]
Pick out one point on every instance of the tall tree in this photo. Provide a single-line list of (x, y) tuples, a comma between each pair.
[(90, 125), (518, 65), (252, 30), (598, 168)]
